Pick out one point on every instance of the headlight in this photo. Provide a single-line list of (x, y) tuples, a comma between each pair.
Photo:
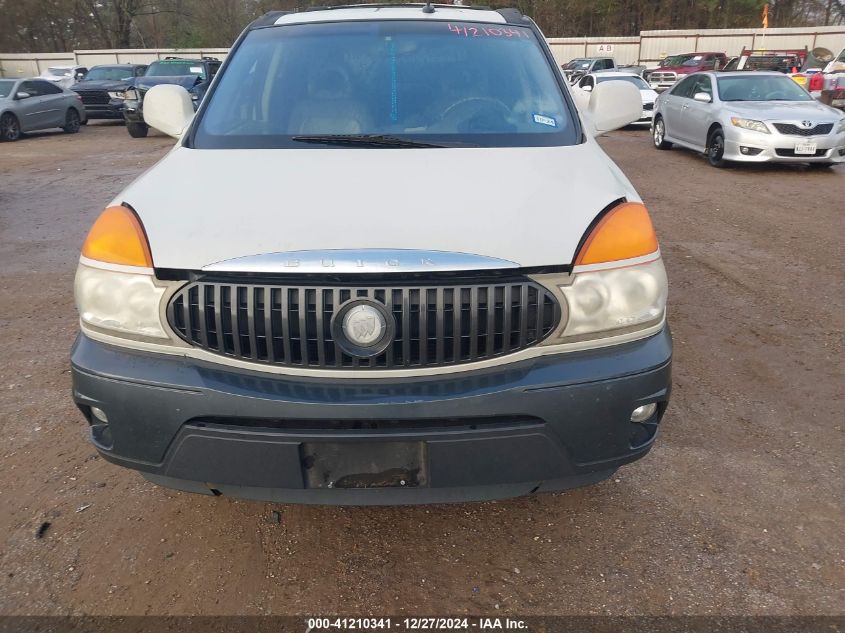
[(130, 95), (125, 303), (841, 126), (117, 95), (603, 302), (750, 124)]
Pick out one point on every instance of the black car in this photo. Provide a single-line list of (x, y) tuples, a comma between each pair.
[(102, 89), (194, 75)]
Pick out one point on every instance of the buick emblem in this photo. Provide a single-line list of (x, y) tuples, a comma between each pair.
[(364, 325)]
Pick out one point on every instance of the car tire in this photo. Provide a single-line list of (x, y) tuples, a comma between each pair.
[(716, 149), (137, 130), (658, 134), (72, 122), (10, 127)]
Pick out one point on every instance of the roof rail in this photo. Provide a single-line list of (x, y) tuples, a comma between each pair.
[(512, 16)]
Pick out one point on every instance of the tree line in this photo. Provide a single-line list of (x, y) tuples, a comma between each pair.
[(42, 26)]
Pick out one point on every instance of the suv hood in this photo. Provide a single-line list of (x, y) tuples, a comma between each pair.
[(111, 85), (680, 70), (186, 81), (530, 206)]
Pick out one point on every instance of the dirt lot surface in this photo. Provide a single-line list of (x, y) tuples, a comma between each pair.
[(738, 510)]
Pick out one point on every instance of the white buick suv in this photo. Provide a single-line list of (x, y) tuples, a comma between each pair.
[(386, 262)]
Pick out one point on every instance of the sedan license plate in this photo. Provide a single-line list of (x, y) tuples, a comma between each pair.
[(805, 149)]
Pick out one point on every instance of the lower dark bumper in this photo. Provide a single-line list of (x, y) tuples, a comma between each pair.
[(549, 423), (105, 111)]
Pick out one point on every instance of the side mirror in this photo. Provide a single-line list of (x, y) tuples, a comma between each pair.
[(22, 95), (168, 108), (587, 88), (703, 97), (614, 104)]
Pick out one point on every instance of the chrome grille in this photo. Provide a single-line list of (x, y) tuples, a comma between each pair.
[(435, 325), (94, 97), (794, 130), (662, 77)]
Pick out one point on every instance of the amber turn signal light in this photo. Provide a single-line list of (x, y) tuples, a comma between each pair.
[(623, 233), (117, 237)]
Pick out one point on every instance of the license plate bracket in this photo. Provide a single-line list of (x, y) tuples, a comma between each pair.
[(364, 464), (805, 149)]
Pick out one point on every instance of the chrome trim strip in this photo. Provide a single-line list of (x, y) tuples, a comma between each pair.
[(536, 351), (120, 268), (372, 260), (620, 263)]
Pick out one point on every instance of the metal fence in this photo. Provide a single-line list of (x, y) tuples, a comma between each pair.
[(648, 48)]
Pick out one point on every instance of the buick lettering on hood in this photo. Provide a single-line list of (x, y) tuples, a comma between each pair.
[(411, 274)]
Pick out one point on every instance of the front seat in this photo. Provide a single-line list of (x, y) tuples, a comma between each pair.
[(329, 107)]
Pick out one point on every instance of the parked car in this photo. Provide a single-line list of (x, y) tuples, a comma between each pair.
[(102, 89), (28, 105), (258, 320), (676, 66), (192, 74), (749, 117), (64, 76), (577, 68), (585, 86)]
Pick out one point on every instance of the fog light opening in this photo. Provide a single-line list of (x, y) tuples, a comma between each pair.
[(98, 413), (749, 151), (643, 412)]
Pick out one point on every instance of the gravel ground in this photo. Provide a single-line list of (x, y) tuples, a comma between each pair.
[(738, 509)]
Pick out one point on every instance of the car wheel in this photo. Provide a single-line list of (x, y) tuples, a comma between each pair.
[(716, 149), (72, 122), (658, 133), (137, 130), (10, 128)]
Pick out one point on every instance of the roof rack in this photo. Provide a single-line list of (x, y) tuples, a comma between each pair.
[(512, 16)]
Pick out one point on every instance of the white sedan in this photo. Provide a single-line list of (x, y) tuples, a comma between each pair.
[(581, 91)]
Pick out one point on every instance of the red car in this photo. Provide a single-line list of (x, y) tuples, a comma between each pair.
[(675, 66)]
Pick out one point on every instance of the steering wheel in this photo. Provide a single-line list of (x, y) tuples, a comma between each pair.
[(775, 95), (475, 114)]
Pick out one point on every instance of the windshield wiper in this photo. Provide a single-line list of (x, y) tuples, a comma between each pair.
[(363, 140)]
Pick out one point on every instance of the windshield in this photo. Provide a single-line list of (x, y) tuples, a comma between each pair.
[(433, 82), (58, 72), (760, 88), (109, 73), (631, 79), (675, 60), (578, 64), (6, 86), (175, 68)]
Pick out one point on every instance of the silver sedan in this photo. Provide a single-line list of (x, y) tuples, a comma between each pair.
[(751, 117), (27, 105)]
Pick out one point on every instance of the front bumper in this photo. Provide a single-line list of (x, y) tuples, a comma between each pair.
[(548, 423), (779, 148), (133, 111), (111, 110)]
